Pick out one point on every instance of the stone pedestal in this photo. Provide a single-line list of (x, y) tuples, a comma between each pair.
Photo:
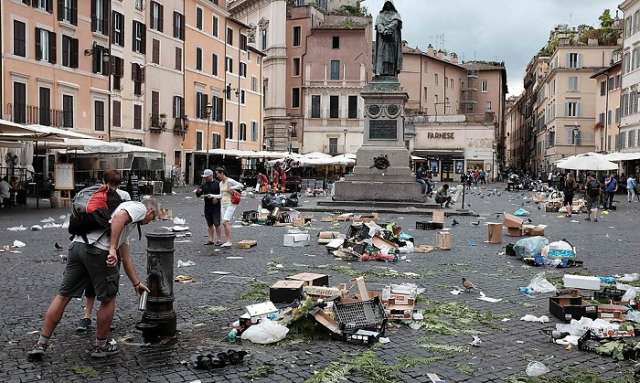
[(383, 145)]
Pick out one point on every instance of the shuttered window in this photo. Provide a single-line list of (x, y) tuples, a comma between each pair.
[(117, 113), (19, 38), (98, 110)]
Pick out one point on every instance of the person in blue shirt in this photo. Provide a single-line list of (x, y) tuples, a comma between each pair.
[(610, 188)]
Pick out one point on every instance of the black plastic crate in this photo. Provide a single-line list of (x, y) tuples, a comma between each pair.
[(368, 315), (429, 225), (608, 294), (250, 216)]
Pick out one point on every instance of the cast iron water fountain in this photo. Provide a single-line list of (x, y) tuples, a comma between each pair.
[(159, 317)]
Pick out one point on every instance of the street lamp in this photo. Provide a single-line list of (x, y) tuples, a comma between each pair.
[(576, 133), (207, 115), (345, 140)]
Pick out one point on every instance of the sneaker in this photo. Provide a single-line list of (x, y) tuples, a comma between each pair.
[(110, 348), (219, 243), (84, 325), (37, 352), (209, 243), (226, 244)]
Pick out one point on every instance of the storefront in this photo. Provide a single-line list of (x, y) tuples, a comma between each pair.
[(453, 147)]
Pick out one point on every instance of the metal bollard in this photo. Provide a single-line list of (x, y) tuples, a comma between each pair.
[(159, 317)]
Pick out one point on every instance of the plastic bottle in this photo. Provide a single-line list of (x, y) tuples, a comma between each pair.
[(232, 336)]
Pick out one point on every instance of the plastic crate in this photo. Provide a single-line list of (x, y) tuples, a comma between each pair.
[(250, 216), (368, 315), (429, 225), (608, 294)]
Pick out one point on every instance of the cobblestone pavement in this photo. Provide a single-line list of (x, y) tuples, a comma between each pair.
[(31, 278)]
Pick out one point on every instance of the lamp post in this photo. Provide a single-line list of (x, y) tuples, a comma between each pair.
[(345, 140), (207, 115)]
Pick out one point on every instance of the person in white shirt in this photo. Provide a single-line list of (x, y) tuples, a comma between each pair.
[(227, 187), (98, 263), (111, 178), (5, 191)]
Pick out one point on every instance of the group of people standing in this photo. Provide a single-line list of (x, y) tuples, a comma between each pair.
[(221, 197), (475, 177), (597, 193)]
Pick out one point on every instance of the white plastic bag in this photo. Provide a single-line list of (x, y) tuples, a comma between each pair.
[(265, 332), (536, 369), (533, 318), (539, 284), (630, 294), (633, 316)]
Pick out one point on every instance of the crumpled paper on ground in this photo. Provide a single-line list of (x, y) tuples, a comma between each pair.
[(16, 228), (182, 263), (18, 244), (485, 298), (533, 318)]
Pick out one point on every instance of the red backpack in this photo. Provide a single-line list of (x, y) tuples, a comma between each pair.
[(92, 210)]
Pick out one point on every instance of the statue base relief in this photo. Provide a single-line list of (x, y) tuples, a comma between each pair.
[(382, 171)]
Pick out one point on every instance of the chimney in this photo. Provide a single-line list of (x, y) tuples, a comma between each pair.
[(453, 57), (430, 51)]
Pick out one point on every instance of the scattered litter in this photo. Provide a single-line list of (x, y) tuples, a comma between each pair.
[(51, 225), (182, 263), (265, 332), (634, 277), (16, 228), (36, 228), (476, 341), (539, 284), (18, 244), (235, 257), (533, 318), (179, 221), (455, 291), (485, 298), (47, 220), (178, 228), (506, 319), (535, 369), (184, 278), (221, 272), (434, 378), (384, 340), (521, 213), (62, 217)]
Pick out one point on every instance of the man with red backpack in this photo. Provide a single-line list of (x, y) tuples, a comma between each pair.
[(94, 259), (112, 179)]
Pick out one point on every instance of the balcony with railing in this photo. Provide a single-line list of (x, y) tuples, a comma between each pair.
[(31, 114), (180, 125), (158, 123)]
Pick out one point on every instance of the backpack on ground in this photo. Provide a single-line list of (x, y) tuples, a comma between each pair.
[(92, 209)]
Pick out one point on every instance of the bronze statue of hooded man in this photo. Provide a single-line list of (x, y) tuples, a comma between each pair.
[(388, 54)]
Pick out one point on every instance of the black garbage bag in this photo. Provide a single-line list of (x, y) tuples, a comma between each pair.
[(292, 200)]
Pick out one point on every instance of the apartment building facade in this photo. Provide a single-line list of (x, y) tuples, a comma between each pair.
[(243, 93), (630, 121), (164, 117), (514, 133), (608, 112), (433, 80), (54, 64), (204, 82), (330, 63), (268, 23), (570, 96)]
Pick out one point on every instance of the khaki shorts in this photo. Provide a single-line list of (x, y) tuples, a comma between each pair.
[(86, 268)]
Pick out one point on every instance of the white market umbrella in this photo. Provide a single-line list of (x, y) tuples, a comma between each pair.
[(587, 161), (618, 156)]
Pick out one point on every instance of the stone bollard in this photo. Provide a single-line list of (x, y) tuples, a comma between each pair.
[(159, 317)]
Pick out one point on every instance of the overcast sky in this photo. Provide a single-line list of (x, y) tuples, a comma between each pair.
[(497, 30)]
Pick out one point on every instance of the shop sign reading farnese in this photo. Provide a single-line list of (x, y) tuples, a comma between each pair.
[(443, 135)]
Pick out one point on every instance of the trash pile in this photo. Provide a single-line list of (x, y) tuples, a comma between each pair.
[(276, 210), (360, 317), (370, 242), (212, 361), (537, 251), (600, 314), (553, 202)]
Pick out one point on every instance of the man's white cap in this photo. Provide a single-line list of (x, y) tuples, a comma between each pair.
[(207, 173)]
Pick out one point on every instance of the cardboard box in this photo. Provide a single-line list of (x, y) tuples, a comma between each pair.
[(286, 291), (325, 237), (581, 282), (262, 310), (511, 221), (296, 238), (322, 291), (311, 279), (612, 312), (571, 306), (515, 232), (247, 243)]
